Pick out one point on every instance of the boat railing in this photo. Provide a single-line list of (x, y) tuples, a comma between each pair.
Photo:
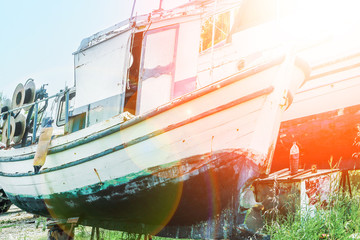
[(36, 103)]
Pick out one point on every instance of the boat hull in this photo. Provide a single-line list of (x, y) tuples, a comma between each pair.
[(180, 201), (178, 170)]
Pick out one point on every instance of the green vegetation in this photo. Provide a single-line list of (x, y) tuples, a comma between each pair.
[(84, 233), (7, 226), (340, 219), (40, 222)]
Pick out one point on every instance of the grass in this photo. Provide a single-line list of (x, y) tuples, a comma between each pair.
[(41, 222), (7, 226), (340, 219), (84, 233)]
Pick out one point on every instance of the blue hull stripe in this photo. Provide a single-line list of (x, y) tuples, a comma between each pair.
[(150, 135)]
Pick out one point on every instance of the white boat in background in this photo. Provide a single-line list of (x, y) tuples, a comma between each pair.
[(151, 139), (325, 116)]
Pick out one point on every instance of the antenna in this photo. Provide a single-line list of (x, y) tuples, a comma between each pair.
[(160, 4), (132, 11)]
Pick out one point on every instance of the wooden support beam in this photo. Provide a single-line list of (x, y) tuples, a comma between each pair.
[(93, 230), (61, 229)]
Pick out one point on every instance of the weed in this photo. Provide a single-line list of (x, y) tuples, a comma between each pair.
[(41, 221), (7, 226), (339, 220)]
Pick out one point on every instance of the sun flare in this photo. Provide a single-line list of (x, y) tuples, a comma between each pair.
[(322, 19)]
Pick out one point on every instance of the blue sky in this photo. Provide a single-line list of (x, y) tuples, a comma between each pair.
[(38, 37)]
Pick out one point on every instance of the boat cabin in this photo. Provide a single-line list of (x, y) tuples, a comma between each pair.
[(146, 61), (135, 67)]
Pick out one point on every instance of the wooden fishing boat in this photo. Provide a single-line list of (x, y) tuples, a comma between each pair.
[(146, 141)]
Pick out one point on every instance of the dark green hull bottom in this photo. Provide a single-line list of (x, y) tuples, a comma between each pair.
[(197, 197)]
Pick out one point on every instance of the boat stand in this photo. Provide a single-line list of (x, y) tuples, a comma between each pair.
[(64, 230), (93, 230), (60, 230), (124, 235)]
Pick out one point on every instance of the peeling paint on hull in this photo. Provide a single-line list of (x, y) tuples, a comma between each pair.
[(177, 170), (200, 202)]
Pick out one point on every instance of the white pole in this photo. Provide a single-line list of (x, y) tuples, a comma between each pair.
[(133, 8)]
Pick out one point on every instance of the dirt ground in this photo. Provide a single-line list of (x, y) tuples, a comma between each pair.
[(17, 224)]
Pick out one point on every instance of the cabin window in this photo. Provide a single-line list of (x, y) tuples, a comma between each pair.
[(168, 64), (100, 70), (222, 29), (61, 112), (157, 67), (249, 14)]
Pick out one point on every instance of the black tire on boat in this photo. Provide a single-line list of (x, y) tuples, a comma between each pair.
[(5, 203)]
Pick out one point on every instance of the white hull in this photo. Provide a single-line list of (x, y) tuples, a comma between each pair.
[(206, 127), (223, 134), (231, 128)]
